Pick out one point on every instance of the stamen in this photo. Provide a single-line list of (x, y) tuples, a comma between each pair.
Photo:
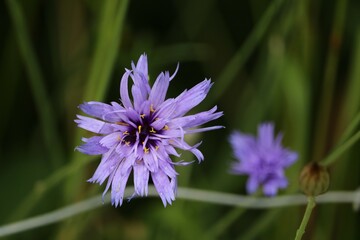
[(127, 143), (142, 116), (152, 108), (126, 133), (139, 128), (166, 127), (146, 150), (156, 147), (152, 130)]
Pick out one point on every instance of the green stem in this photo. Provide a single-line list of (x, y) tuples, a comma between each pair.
[(42, 100), (186, 194), (228, 219), (350, 128), (240, 57), (42, 187), (106, 50), (310, 206), (331, 66), (340, 150), (260, 225), (225, 222)]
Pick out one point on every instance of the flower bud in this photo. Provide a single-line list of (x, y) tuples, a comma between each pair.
[(314, 179)]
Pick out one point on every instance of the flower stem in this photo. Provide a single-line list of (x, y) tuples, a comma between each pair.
[(206, 196), (241, 56), (341, 149), (350, 128), (310, 205), (47, 117), (225, 222)]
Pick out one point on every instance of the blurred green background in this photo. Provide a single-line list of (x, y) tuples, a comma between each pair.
[(296, 63)]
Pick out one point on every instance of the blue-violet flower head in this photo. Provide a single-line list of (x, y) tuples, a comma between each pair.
[(262, 158), (139, 134)]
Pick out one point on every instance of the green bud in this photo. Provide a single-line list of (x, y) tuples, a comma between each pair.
[(314, 179)]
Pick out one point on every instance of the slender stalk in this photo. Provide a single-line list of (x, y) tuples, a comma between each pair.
[(225, 222), (111, 23), (330, 73), (341, 149), (42, 187), (188, 194), (260, 225), (310, 206), (240, 57), (36, 80), (350, 128)]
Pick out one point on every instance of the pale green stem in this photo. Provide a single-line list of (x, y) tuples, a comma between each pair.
[(350, 128), (183, 193), (341, 149), (345, 142), (310, 206)]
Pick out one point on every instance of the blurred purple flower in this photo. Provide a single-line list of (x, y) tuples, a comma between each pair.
[(141, 133), (262, 158)]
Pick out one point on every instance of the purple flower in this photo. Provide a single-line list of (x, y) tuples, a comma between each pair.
[(141, 133), (262, 158)]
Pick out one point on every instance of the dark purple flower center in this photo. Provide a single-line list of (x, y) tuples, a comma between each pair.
[(144, 132)]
